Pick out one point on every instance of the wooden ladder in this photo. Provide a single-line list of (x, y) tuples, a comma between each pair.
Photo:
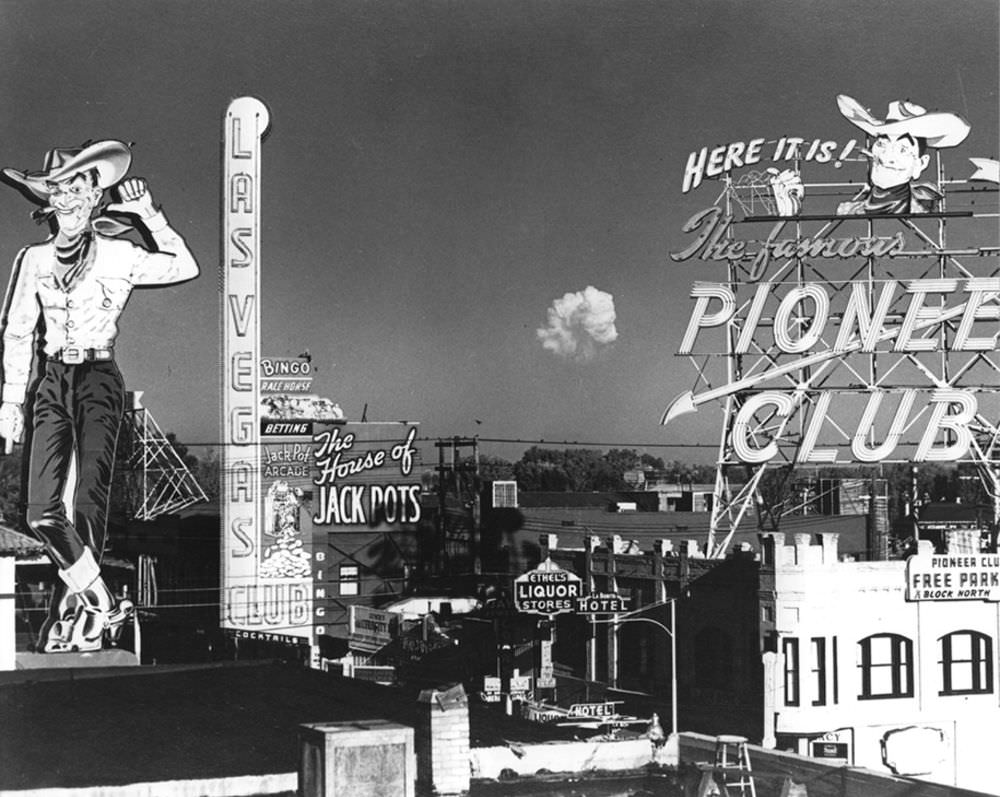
[(732, 766)]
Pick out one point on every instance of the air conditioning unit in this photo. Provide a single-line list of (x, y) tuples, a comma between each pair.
[(505, 495)]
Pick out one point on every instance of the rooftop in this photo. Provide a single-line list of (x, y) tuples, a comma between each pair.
[(573, 525), (19, 544), (76, 728)]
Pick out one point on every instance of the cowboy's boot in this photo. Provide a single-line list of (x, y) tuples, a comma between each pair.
[(103, 614), (99, 614), (74, 635), (57, 630)]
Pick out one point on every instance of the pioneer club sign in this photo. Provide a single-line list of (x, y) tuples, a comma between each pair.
[(851, 330), (940, 577)]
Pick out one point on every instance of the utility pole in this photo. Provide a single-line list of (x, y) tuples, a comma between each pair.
[(467, 496)]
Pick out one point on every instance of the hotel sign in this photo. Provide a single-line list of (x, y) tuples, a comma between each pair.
[(601, 603)]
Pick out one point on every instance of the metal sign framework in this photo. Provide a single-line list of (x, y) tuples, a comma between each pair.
[(157, 480), (824, 381)]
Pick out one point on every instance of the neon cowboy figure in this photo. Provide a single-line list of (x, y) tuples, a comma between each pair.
[(898, 155), (72, 288)]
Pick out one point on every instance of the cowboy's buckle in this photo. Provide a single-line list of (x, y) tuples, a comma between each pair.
[(72, 355)]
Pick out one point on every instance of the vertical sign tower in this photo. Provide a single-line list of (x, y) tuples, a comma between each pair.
[(307, 497), (246, 122)]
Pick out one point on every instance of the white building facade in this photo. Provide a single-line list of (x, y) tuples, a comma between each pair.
[(888, 665)]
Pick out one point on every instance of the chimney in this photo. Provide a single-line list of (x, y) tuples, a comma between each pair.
[(830, 546), (878, 521), (802, 542)]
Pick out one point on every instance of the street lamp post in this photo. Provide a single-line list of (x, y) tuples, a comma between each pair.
[(673, 651)]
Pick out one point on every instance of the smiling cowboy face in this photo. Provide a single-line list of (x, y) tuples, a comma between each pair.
[(73, 201), (895, 160)]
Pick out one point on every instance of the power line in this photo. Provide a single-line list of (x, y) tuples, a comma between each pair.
[(712, 446), (518, 440)]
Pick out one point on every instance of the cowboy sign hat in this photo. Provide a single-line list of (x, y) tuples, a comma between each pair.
[(906, 118), (110, 160)]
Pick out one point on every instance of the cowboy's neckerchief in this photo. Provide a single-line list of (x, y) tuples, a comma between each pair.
[(72, 257), (900, 199), (73, 254)]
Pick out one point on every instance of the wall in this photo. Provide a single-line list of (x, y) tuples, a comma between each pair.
[(530, 759), (772, 768), (7, 633)]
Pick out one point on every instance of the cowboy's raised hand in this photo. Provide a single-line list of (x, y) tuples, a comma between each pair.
[(133, 197), (787, 188)]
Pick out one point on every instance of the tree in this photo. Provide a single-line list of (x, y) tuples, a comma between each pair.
[(537, 475), (623, 459), (544, 469), (207, 472), (649, 461), (494, 469), (776, 492), (185, 455), (578, 469)]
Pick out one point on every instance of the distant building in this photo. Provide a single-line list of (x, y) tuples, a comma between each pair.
[(683, 497), (18, 554), (509, 534), (844, 496), (957, 528), (672, 495)]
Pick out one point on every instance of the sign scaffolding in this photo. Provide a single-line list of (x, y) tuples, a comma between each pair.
[(852, 334)]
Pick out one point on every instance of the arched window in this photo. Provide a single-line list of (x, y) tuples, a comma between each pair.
[(886, 665), (966, 663)]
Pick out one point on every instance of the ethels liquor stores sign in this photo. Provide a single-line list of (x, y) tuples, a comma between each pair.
[(548, 590)]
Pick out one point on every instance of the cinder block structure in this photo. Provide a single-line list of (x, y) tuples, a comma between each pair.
[(442, 741)]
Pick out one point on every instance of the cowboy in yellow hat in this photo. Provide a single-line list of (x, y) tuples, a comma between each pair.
[(77, 284), (898, 155)]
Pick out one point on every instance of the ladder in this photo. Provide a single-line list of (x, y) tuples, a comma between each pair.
[(732, 766)]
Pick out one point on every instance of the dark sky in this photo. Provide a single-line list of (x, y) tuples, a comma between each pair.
[(437, 173)]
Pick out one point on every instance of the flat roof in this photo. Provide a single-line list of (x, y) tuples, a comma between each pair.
[(76, 728)]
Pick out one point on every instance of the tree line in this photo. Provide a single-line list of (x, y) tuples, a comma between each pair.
[(586, 469)]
